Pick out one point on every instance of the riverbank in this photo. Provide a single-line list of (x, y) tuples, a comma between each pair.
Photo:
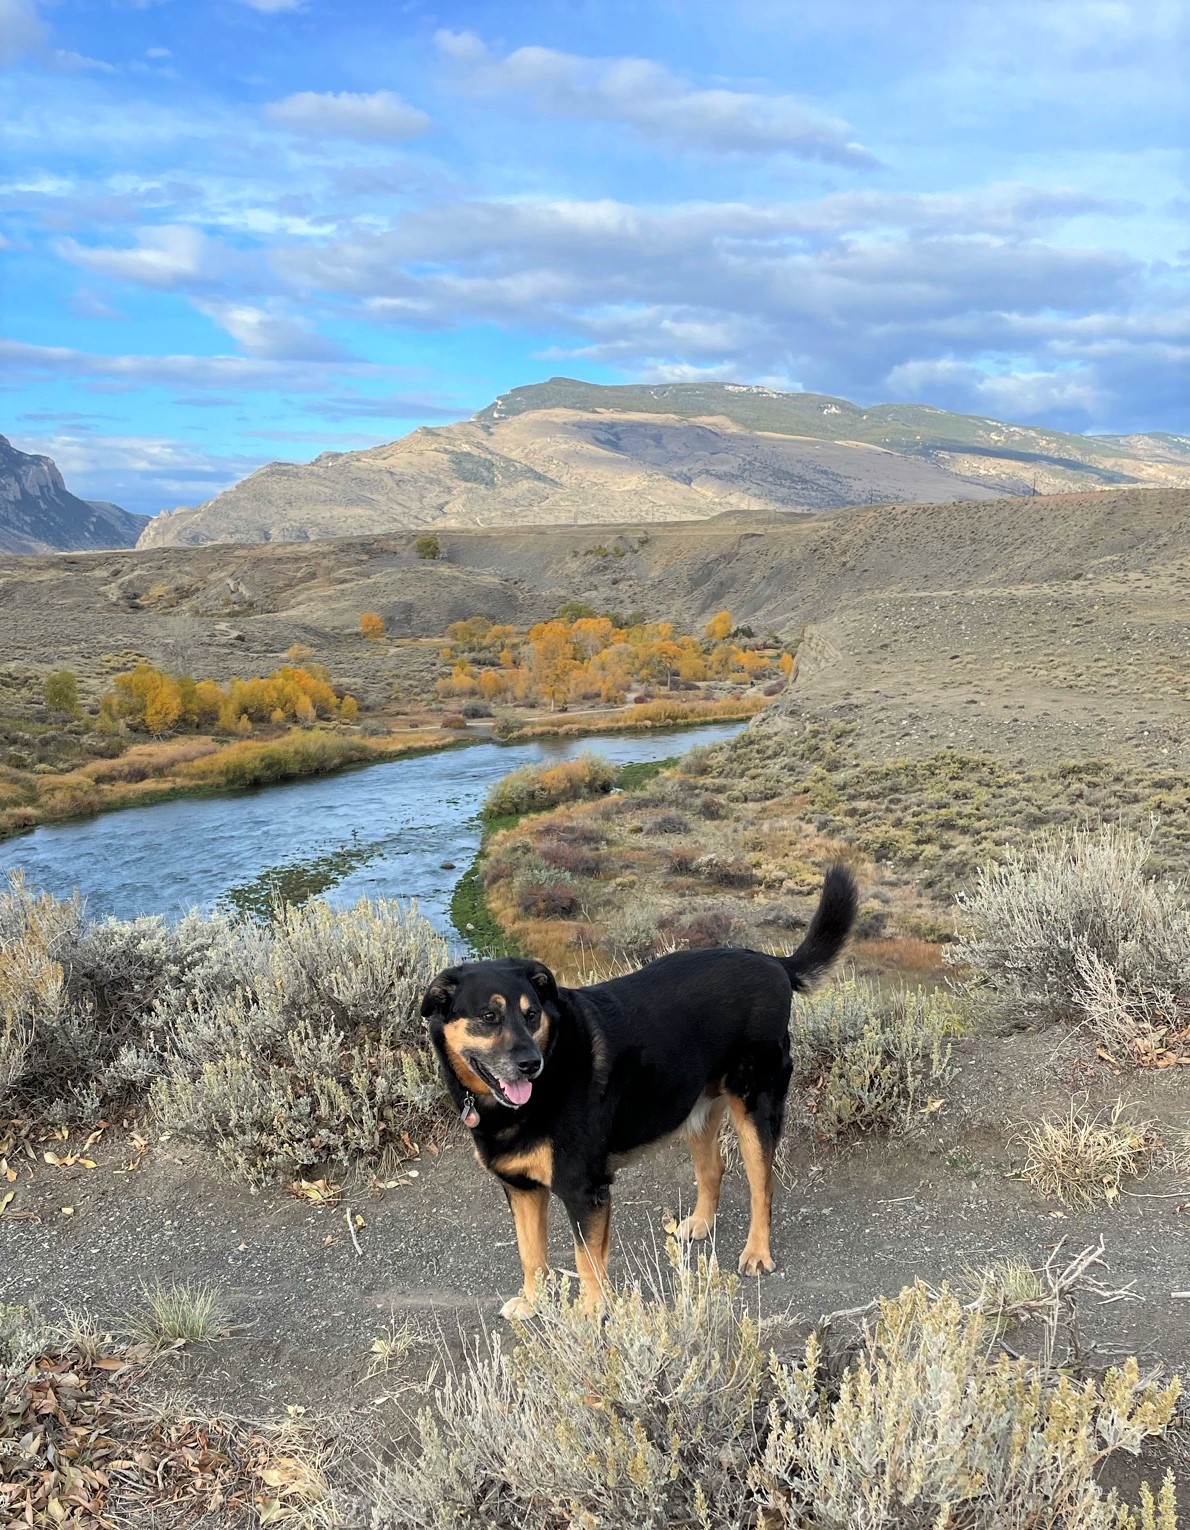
[(162, 770), (639, 718), (196, 766), (470, 912)]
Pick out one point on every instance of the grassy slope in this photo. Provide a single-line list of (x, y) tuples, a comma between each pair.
[(912, 428)]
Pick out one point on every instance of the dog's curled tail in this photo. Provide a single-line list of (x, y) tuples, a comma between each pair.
[(828, 932)]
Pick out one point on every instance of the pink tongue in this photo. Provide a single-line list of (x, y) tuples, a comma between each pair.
[(517, 1093)]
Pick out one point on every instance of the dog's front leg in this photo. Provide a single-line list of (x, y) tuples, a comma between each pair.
[(591, 1218), (530, 1212)]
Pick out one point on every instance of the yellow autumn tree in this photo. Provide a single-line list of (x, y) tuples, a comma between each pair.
[(551, 660), (373, 626), (719, 627)]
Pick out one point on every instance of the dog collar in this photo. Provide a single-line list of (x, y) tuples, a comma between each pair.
[(469, 1116)]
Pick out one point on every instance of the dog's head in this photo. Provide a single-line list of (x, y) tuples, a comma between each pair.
[(491, 1023)]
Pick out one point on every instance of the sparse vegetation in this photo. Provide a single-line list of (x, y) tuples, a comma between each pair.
[(1072, 928), (427, 548), (1085, 1156), (669, 1412)]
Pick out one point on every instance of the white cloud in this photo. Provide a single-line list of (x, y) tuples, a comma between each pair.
[(964, 297), (380, 117), (108, 373), (165, 257), (654, 102), (1014, 395), (268, 333), (21, 30)]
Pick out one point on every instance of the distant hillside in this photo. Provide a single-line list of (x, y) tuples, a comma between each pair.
[(38, 514), (574, 453)]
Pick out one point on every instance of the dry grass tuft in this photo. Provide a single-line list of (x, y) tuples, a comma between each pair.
[(1084, 1158), (179, 1314)]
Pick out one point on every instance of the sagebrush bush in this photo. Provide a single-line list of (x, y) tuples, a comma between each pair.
[(669, 1413), (83, 1006), (871, 1054), (279, 1046), (1073, 929), (647, 1420), (533, 788), (322, 1055)]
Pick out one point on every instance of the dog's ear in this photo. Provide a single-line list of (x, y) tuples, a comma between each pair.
[(543, 980), (440, 992)]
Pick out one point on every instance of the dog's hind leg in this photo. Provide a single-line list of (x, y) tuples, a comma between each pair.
[(757, 1147), (530, 1212), (702, 1135)]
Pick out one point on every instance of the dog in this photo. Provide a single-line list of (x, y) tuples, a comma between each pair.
[(559, 1086)]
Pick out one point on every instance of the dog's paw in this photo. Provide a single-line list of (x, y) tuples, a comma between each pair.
[(692, 1230), (756, 1262), (517, 1309)]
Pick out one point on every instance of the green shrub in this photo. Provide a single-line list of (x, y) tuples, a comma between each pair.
[(302, 752), (61, 691), (533, 788), (669, 1413), (871, 1054), (427, 547)]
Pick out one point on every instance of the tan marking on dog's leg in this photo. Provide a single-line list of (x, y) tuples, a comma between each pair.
[(536, 1164), (591, 1249), (530, 1212), (758, 1162), (708, 1173)]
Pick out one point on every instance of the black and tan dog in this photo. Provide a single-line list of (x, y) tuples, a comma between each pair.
[(558, 1085)]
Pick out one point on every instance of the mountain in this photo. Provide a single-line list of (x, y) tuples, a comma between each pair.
[(566, 452), (38, 514)]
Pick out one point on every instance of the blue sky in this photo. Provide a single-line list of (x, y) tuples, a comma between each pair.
[(239, 230)]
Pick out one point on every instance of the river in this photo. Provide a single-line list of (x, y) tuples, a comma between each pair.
[(400, 829)]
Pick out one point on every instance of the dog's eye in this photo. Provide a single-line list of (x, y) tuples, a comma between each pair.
[(533, 1018), (489, 1017)]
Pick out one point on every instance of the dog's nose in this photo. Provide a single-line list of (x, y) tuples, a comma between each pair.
[(530, 1066)]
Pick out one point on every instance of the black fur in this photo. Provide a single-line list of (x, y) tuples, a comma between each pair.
[(618, 1065)]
